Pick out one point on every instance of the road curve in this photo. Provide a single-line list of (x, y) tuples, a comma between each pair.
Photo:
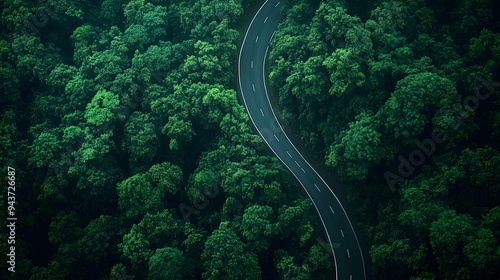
[(346, 250)]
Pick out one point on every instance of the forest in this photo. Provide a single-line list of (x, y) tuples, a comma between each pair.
[(134, 158), (401, 100)]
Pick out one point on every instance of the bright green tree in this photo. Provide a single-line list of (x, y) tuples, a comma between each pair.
[(224, 257), (136, 197)]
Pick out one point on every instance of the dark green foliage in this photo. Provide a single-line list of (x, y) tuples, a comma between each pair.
[(138, 159), (167, 263), (225, 257), (369, 94)]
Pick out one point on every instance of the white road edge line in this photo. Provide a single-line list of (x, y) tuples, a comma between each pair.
[(348, 254), (289, 154), (331, 209), (336, 198), (342, 233), (315, 206), (266, 19), (317, 187), (261, 112)]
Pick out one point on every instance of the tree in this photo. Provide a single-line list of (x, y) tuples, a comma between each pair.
[(308, 79), (164, 56), (482, 166), (91, 163), (285, 264), (256, 223), (162, 229), (491, 221), (485, 47), (79, 93), (135, 247), (471, 16), (99, 238), (156, 21), (153, 232), (60, 76), (45, 149), (483, 251), (105, 65), (92, 109), (290, 216), (52, 191), (204, 65), (218, 102), (360, 148), (118, 272), (9, 79), (418, 97), (64, 228), (345, 73), (136, 197), (140, 140), (82, 39), (111, 11), (136, 36), (73, 135), (448, 235), (165, 176), (180, 132), (167, 263), (224, 257), (103, 108)]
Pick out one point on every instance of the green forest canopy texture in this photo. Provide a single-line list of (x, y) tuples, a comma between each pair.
[(134, 159)]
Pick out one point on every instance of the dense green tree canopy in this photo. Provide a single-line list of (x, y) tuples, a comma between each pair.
[(225, 257), (135, 159), (393, 95)]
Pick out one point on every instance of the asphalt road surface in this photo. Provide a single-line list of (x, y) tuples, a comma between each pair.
[(346, 250)]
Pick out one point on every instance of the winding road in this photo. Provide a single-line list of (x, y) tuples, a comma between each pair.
[(346, 250)]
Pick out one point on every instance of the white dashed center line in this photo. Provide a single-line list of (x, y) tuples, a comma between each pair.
[(256, 39), (348, 254), (251, 64), (253, 87), (276, 138), (317, 187), (266, 19), (289, 154), (261, 112), (342, 233), (331, 209), (297, 163), (277, 4), (303, 170)]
